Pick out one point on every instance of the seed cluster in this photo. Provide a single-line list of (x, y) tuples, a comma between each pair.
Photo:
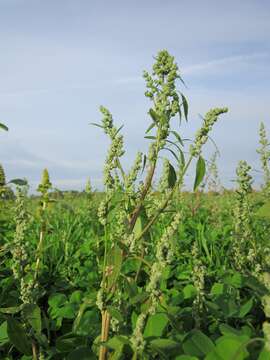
[(202, 135)]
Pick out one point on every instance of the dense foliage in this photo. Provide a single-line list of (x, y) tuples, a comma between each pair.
[(143, 270)]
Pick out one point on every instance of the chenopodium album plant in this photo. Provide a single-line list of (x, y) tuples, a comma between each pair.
[(26, 267), (123, 211)]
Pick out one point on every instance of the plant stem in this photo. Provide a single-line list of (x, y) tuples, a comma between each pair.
[(104, 334), (165, 202)]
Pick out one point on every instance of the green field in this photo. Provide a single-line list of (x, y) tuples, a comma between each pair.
[(142, 270)]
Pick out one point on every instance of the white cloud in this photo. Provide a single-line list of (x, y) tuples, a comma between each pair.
[(218, 64)]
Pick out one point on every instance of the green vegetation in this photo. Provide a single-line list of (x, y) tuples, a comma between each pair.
[(143, 270)]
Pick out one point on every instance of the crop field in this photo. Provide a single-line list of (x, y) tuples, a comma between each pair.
[(143, 269)]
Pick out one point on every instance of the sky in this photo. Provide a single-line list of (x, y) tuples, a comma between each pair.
[(61, 59)]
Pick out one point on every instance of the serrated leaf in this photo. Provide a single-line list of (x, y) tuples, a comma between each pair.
[(200, 172)]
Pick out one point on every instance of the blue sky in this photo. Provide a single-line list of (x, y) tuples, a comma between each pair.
[(61, 59)]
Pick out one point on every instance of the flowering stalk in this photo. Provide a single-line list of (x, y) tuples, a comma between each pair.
[(123, 210), (164, 255), (198, 276), (2, 181), (243, 238), (21, 257), (264, 152), (43, 188)]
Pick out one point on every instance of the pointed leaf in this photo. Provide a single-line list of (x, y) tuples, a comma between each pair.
[(154, 116), (3, 126), (172, 152), (200, 172), (150, 127), (185, 106), (150, 137), (177, 137), (98, 125), (172, 176)]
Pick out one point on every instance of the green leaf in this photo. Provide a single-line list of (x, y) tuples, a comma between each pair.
[(32, 314), (66, 312), (172, 152), (245, 309), (189, 291), (154, 116), (85, 321), (227, 347), (81, 353), (76, 297), (150, 127), (150, 137), (11, 310), (182, 159), (186, 357), (18, 337), (226, 329), (115, 258), (172, 176), (119, 129), (264, 355), (3, 126), (139, 298), (57, 300), (197, 344), (69, 342), (165, 344), (144, 163), (20, 182), (177, 137), (217, 289), (264, 211), (185, 106), (200, 172), (155, 325), (115, 313), (98, 125), (3, 333)]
